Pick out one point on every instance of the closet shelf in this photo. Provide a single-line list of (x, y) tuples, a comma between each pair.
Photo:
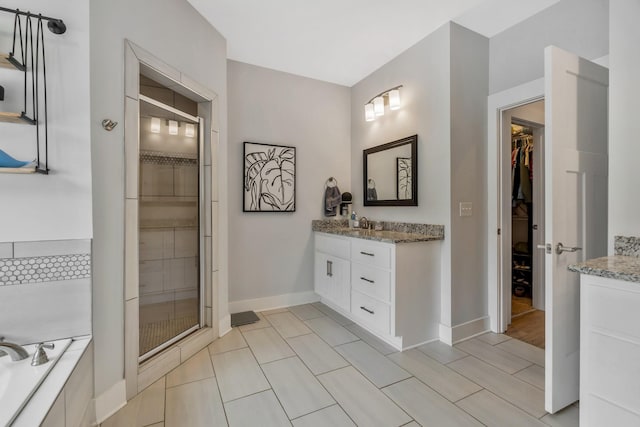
[(9, 61), (18, 118)]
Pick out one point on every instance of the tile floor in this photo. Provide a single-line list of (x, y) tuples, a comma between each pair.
[(309, 366)]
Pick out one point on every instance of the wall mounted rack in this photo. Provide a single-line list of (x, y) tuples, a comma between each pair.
[(28, 57)]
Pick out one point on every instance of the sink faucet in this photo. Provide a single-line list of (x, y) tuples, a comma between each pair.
[(364, 222), (15, 351)]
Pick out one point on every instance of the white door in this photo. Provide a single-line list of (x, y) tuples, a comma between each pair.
[(575, 207)]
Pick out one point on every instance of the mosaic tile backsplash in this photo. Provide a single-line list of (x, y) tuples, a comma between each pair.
[(44, 269)]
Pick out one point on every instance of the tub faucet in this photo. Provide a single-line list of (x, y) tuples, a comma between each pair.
[(15, 351)]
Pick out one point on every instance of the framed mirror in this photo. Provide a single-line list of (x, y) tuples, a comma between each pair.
[(390, 173)]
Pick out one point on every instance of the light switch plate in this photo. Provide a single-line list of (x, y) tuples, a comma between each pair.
[(466, 209)]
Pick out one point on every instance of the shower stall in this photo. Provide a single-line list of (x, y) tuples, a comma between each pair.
[(171, 238)]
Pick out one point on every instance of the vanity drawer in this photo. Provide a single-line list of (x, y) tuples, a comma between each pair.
[(371, 281), (332, 246), (370, 312), (376, 255)]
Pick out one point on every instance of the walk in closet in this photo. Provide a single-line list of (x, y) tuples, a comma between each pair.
[(522, 159)]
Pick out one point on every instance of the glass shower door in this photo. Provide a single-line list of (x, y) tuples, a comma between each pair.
[(170, 238)]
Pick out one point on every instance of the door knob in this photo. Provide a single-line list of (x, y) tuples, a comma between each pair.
[(560, 248)]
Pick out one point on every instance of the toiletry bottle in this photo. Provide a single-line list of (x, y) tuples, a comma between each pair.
[(356, 223), (352, 219)]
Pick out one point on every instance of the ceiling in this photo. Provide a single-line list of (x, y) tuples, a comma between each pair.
[(343, 41)]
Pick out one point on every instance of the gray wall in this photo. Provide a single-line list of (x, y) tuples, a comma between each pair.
[(445, 79), (174, 32), (578, 26), (624, 126), (469, 90), (271, 254), (55, 206)]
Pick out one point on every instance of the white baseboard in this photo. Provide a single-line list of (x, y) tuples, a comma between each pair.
[(109, 402), (464, 331), (270, 303), (224, 325)]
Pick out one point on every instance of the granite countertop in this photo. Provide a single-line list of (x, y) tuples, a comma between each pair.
[(620, 267), (392, 232)]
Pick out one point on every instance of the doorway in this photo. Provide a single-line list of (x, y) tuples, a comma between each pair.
[(523, 199), (170, 212)]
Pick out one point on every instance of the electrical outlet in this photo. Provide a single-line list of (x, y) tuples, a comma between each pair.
[(466, 209)]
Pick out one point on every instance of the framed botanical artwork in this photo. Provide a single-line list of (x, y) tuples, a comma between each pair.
[(403, 174), (269, 178)]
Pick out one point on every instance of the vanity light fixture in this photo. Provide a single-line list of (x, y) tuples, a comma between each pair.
[(173, 127), (375, 106), (155, 125), (189, 130)]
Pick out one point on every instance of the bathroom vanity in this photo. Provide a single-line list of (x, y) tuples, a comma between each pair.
[(388, 282), (609, 341)]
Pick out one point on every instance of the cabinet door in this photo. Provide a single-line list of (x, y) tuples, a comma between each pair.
[(332, 280)]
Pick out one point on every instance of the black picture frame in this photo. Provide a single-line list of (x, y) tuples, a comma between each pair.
[(269, 178)]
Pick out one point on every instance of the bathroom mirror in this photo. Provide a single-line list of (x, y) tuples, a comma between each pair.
[(390, 173)]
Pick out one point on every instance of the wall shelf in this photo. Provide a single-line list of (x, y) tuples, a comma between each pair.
[(9, 61), (18, 118), (22, 170)]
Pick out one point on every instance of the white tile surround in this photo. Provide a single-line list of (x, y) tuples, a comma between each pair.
[(45, 290), (308, 366)]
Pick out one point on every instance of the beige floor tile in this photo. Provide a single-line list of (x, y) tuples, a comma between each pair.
[(238, 374), (339, 318), (306, 312), (493, 338), (426, 406), (261, 409), (361, 400), (297, 389), (534, 375), (412, 424), (267, 345), (316, 354), (494, 356), (568, 417), (495, 412), (332, 416), (144, 409), (526, 351), (262, 323), (196, 368), (442, 352), (373, 365), (370, 339), (288, 325), (195, 404), (330, 331), (523, 395), (275, 311), (439, 377), (157, 425), (233, 340)]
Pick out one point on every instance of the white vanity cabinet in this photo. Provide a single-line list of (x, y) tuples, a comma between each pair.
[(609, 352), (390, 289), (332, 267)]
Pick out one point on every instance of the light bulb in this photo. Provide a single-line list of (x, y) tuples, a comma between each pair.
[(394, 99), (189, 130), (155, 125), (378, 106), (369, 114), (173, 127)]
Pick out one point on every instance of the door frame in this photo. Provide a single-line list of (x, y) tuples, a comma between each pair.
[(496, 105), (216, 321)]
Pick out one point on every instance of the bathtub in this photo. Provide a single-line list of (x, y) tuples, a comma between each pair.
[(26, 391)]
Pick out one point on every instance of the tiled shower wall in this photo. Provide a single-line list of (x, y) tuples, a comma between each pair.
[(45, 290)]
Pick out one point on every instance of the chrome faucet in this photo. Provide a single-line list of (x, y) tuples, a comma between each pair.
[(364, 222), (15, 351)]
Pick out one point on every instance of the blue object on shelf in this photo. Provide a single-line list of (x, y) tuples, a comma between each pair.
[(6, 161)]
